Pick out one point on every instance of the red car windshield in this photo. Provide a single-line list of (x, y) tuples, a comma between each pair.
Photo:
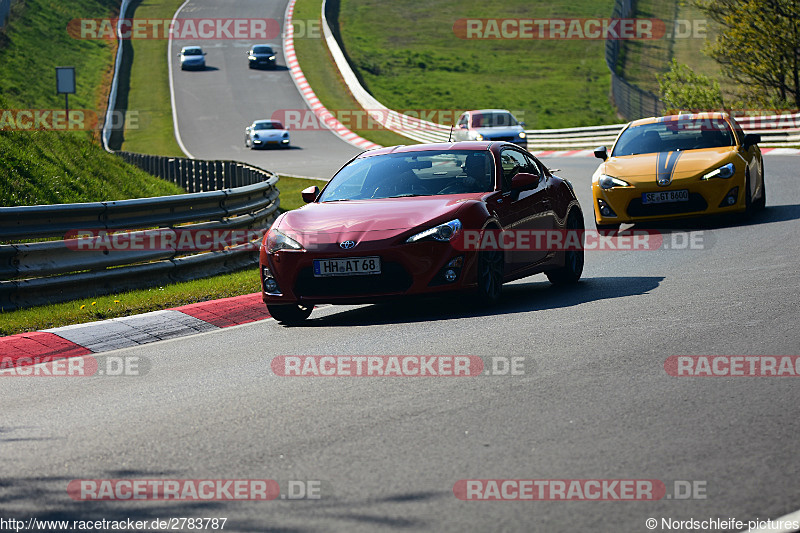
[(425, 173)]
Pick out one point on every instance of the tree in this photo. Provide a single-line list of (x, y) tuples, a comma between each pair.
[(682, 89), (758, 47)]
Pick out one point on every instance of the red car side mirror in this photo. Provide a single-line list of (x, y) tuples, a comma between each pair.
[(310, 194), (523, 181)]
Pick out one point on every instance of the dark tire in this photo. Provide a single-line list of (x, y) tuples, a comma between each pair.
[(761, 203), (290, 314), (491, 270), (571, 272), (748, 198)]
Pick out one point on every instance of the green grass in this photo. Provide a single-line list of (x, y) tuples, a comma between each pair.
[(290, 189), (142, 301), (129, 303), (36, 40), (644, 59), (55, 168), (147, 89), (409, 58), (324, 77), (48, 167)]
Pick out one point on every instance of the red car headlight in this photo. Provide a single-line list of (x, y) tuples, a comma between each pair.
[(277, 240), (442, 232)]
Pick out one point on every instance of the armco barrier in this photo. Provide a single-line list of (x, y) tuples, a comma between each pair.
[(637, 103), (631, 101), (197, 175), (222, 195), (51, 271)]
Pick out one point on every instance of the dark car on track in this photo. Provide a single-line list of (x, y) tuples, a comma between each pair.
[(261, 56), (388, 223)]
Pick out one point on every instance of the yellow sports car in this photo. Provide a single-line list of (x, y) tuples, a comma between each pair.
[(678, 166)]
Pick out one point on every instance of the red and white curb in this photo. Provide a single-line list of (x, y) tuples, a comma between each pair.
[(780, 151), (96, 337), (322, 113)]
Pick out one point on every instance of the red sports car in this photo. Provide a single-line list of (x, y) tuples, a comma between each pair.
[(388, 222)]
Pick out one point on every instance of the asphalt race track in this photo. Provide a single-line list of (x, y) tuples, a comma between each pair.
[(593, 399), (215, 105)]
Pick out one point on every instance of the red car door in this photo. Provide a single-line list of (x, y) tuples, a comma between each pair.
[(528, 212)]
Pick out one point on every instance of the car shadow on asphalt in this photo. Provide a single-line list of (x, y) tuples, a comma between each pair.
[(50, 498), (520, 297), (276, 68), (772, 213)]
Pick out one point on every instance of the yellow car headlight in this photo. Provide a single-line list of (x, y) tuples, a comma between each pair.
[(725, 171), (609, 182)]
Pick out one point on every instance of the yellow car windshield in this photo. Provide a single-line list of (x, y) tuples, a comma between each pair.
[(674, 136)]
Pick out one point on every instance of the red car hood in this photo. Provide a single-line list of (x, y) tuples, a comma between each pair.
[(352, 219)]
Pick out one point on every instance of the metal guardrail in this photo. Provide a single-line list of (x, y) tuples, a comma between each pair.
[(52, 271), (222, 196), (428, 132), (632, 102), (197, 175)]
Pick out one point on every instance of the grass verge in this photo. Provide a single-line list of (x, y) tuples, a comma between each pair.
[(409, 57), (324, 77), (129, 303), (153, 299), (290, 189), (54, 168), (48, 167), (149, 127)]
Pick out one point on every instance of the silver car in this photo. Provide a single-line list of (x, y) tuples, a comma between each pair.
[(490, 125), (262, 133), (192, 58)]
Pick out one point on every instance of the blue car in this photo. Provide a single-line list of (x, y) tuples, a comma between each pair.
[(490, 125)]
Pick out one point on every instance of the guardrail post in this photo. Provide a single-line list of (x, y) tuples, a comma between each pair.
[(218, 178), (204, 175)]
